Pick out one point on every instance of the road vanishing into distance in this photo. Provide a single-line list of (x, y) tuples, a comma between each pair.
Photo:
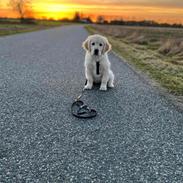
[(137, 136)]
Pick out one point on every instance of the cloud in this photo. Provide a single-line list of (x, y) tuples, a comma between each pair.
[(164, 3)]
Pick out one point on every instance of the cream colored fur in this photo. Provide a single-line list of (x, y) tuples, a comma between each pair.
[(106, 76)]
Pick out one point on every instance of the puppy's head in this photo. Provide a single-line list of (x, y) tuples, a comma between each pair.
[(97, 45)]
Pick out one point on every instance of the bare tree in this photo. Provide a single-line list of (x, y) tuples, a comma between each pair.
[(22, 8), (77, 17), (100, 19)]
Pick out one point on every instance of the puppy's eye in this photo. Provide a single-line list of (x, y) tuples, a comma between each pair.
[(100, 44), (93, 44)]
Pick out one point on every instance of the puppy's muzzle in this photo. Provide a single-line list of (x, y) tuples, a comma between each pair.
[(96, 52)]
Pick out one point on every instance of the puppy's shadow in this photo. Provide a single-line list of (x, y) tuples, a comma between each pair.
[(97, 96)]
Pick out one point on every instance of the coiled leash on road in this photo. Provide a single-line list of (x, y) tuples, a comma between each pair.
[(79, 109)]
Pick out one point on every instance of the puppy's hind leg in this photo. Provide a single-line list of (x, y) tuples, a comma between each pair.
[(111, 80)]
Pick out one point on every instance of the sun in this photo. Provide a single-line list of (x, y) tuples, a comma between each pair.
[(55, 8), (56, 11)]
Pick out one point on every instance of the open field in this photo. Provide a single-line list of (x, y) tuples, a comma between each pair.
[(156, 51), (16, 27)]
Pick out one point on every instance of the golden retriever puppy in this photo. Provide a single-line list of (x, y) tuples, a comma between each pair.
[(97, 64)]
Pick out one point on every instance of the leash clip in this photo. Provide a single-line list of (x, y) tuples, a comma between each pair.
[(79, 97)]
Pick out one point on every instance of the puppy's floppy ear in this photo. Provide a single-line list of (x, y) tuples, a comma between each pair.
[(107, 46), (86, 44)]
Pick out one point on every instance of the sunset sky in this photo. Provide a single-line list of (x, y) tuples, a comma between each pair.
[(170, 11)]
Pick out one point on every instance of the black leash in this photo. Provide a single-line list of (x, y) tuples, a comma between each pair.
[(81, 110)]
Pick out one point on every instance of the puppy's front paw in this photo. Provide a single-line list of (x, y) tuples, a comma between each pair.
[(88, 87), (111, 85), (103, 88)]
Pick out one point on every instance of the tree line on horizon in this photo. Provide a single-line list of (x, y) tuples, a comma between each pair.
[(24, 11)]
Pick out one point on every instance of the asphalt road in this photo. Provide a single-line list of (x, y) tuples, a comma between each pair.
[(137, 136)]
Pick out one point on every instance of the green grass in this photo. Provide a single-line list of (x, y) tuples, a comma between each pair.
[(146, 58)]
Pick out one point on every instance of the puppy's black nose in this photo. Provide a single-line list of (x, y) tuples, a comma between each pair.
[(96, 51)]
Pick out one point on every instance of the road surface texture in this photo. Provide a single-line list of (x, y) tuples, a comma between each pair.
[(137, 136)]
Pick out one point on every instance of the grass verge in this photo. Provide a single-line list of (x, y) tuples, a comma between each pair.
[(16, 27)]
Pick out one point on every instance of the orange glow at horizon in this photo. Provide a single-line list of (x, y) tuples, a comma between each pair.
[(57, 10)]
